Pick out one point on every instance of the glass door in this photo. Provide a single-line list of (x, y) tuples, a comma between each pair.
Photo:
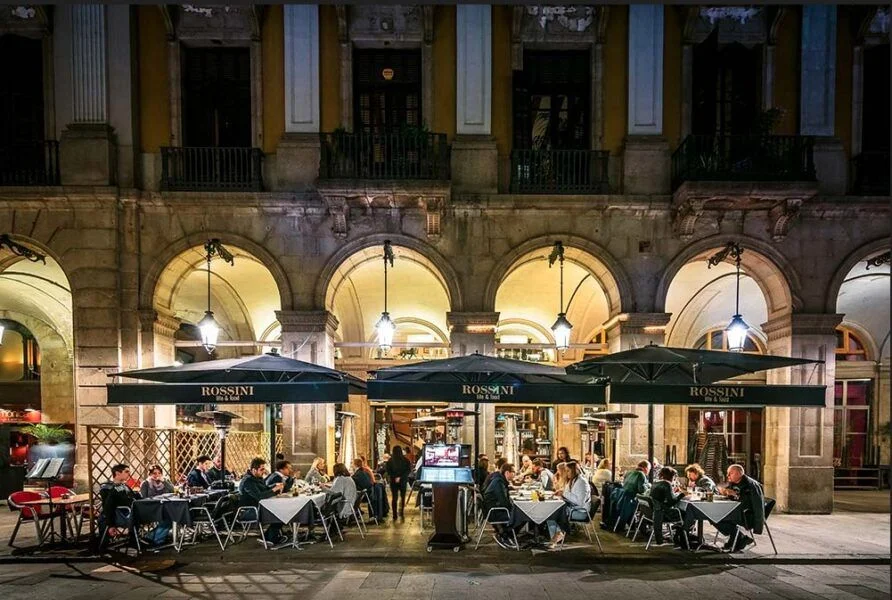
[(851, 423)]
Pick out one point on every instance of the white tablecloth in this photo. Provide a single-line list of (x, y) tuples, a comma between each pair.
[(286, 508), (539, 512), (714, 512)]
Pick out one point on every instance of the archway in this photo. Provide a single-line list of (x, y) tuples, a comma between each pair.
[(862, 366)]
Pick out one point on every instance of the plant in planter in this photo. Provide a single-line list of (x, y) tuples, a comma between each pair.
[(52, 441)]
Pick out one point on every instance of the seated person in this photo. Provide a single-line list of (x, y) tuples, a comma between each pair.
[(748, 492), (526, 468), (361, 477), (496, 496), (500, 462), (602, 475), (481, 471), (252, 489), (698, 479), (283, 474), (215, 473), (116, 493), (156, 484), (198, 476), (382, 465), (635, 482), (665, 501), (344, 484), (545, 477), (577, 494), (317, 473)]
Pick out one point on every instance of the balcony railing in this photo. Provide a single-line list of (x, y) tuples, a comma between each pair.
[(559, 172), (870, 174), (211, 169), (30, 163), (384, 156), (743, 158)]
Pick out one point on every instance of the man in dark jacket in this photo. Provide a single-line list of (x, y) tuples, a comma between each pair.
[(252, 489), (216, 473), (114, 494), (664, 501), (496, 496), (198, 477), (748, 492)]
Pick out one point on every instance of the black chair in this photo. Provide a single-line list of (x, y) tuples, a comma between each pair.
[(122, 519), (769, 507), (579, 515), (328, 514), (498, 515), (674, 521), (207, 518), (247, 517)]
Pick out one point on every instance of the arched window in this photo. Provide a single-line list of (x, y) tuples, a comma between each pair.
[(717, 339), (19, 353), (849, 346)]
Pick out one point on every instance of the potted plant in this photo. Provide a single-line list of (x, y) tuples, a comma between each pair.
[(52, 441)]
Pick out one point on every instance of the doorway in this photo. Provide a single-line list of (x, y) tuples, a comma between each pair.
[(217, 97)]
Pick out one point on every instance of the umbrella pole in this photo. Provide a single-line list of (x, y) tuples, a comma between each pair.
[(615, 434), (223, 457), (650, 439), (271, 417), (476, 435)]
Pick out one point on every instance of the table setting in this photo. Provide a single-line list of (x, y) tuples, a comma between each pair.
[(294, 510)]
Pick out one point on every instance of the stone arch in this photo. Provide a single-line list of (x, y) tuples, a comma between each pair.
[(605, 269), (872, 345), (842, 271), (771, 271), (438, 266), (156, 271), (546, 333)]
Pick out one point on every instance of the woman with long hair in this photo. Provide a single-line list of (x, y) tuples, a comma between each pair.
[(576, 494), (560, 476), (398, 469), (316, 474), (345, 485)]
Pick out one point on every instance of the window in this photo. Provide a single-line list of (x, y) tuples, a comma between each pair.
[(717, 339), (848, 346), (217, 97), (552, 101), (599, 338), (19, 354), (851, 423), (21, 90), (387, 90), (875, 131), (742, 430)]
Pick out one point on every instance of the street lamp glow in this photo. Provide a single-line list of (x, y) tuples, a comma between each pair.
[(1, 333), (561, 330), (736, 332), (385, 328), (210, 331)]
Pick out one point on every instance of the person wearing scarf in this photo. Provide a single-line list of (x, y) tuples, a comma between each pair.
[(155, 484)]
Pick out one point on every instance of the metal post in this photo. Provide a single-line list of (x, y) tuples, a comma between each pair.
[(476, 435), (271, 418), (614, 435), (650, 439)]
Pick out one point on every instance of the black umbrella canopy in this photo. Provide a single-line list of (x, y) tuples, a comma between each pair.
[(663, 364), (477, 368), (265, 368)]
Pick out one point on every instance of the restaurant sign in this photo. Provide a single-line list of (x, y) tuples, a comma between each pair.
[(486, 393), (717, 395), (243, 393)]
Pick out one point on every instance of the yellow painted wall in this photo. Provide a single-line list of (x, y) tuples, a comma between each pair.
[(844, 58), (329, 70), (616, 62), (272, 42), (443, 50), (786, 73), (501, 78), (672, 92), (154, 96)]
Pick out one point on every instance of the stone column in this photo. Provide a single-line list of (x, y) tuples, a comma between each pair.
[(120, 103), (798, 442), (87, 151), (646, 157), (471, 332), (625, 332), (818, 95), (157, 349), (475, 159), (297, 156), (308, 429)]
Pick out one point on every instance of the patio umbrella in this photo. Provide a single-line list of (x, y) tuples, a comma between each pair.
[(654, 364), (483, 379)]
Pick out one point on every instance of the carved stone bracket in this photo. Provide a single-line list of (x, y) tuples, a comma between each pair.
[(472, 322), (31, 21), (781, 217), (433, 209), (160, 323), (555, 25), (339, 210), (686, 215)]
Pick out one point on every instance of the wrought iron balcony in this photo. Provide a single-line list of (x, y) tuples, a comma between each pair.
[(559, 172), (30, 163), (743, 158), (870, 174), (403, 155), (196, 169)]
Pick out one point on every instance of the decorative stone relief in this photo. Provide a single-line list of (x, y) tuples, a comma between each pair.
[(781, 217), (387, 22), (880, 22), (555, 24), (217, 22), (27, 21), (433, 208), (685, 218), (23, 12), (339, 210), (744, 25)]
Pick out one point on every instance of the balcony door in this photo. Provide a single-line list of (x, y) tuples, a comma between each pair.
[(552, 101), (727, 88), (875, 118), (21, 90), (387, 90), (216, 97)]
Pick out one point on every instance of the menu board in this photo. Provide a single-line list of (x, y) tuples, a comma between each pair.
[(442, 455)]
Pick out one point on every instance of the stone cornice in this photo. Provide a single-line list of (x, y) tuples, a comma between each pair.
[(472, 322), (307, 321), (638, 323), (162, 323), (802, 324)]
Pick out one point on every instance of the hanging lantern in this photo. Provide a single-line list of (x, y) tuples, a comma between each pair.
[(210, 331), (561, 330), (385, 328), (736, 332)]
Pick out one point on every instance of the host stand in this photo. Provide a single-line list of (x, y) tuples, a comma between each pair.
[(442, 471)]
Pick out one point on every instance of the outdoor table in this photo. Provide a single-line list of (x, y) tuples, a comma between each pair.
[(290, 510), (535, 512), (66, 504), (718, 511), (168, 508)]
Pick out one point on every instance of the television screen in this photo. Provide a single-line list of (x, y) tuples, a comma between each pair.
[(442, 455)]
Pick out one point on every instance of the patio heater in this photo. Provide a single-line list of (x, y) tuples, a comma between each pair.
[(588, 433), (511, 443), (455, 417), (614, 422), (348, 437), (222, 422)]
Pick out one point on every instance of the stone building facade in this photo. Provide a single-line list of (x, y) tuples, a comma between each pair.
[(471, 190)]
